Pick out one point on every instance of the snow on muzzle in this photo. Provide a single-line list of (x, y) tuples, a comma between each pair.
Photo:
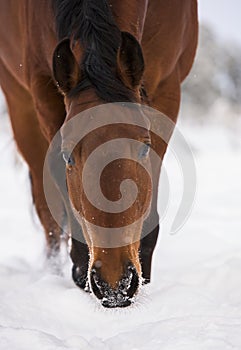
[(122, 295)]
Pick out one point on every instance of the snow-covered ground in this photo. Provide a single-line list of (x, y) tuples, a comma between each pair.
[(194, 301)]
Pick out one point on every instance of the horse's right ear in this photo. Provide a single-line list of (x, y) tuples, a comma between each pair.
[(66, 70)]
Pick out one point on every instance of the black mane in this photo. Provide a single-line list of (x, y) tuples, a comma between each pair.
[(91, 22)]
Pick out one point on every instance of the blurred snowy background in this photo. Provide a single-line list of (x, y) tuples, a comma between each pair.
[(194, 301)]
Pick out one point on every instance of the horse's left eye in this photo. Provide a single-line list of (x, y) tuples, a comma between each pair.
[(68, 158), (144, 150)]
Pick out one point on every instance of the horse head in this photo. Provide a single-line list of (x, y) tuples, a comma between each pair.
[(107, 144)]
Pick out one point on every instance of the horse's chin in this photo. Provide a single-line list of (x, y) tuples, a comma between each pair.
[(114, 303), (116, 299)]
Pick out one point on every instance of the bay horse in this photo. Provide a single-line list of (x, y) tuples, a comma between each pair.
[(61, 57)]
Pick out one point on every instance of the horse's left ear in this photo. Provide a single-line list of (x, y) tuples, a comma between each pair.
[(66, 70), (130, 61)]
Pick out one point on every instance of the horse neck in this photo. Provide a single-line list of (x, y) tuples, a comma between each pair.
[(129, 15)]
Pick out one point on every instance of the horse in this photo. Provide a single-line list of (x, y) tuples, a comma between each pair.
[(59, 58)]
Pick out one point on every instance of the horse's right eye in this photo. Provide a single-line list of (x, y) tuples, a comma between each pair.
[(68, 158), (145, 149)]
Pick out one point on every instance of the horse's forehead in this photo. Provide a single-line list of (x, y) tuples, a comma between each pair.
[(105, 118)]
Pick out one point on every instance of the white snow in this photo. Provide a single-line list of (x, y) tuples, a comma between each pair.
[(194, 300)]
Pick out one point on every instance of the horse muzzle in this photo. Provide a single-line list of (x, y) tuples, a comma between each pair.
[(122, 295)]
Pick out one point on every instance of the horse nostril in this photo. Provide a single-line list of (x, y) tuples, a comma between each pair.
[(130, 282), (96, 283)]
